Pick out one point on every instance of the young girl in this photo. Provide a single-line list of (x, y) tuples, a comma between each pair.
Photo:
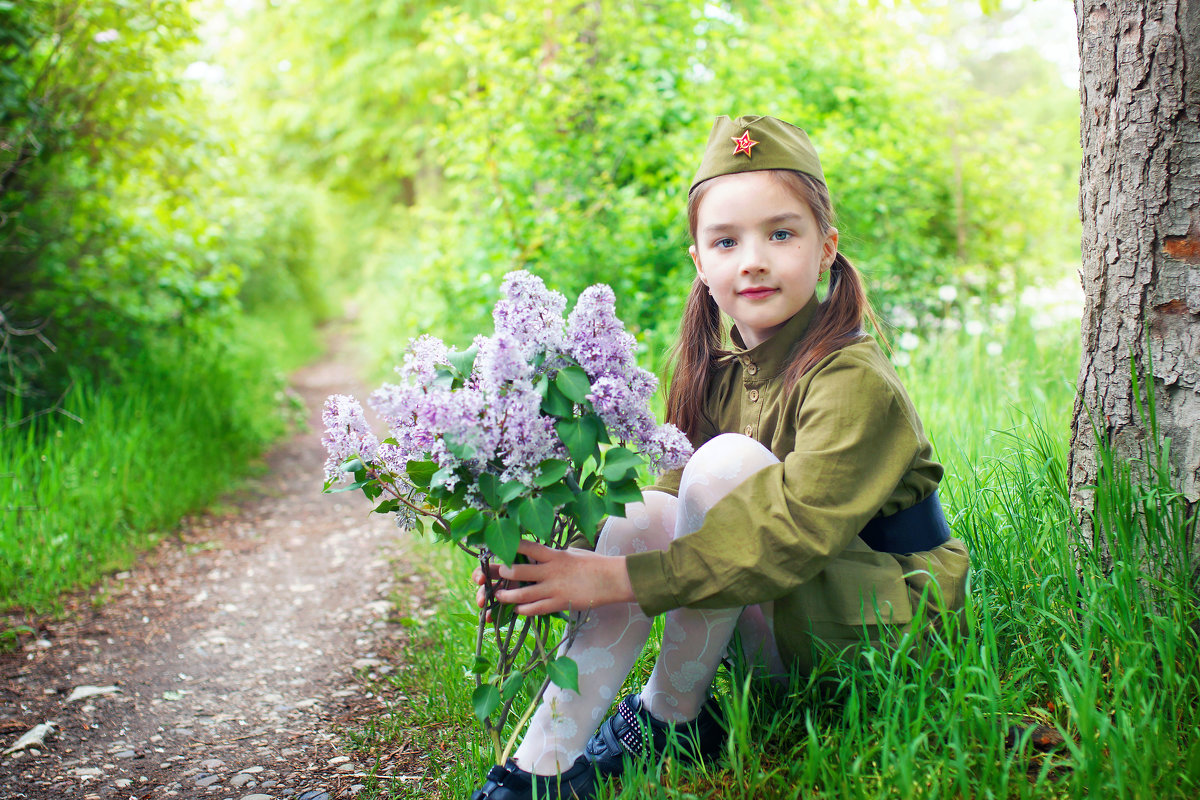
[(807, 515)]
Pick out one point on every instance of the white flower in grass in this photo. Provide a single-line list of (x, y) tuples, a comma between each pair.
[(901, 358), (994, 349), (974, 327), (909, 341), (947, 293), (105, 37)]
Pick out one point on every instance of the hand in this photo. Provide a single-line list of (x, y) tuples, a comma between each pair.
[(559, 580)]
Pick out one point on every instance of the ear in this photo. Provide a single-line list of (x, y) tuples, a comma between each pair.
[(829, 249), (696, 260)]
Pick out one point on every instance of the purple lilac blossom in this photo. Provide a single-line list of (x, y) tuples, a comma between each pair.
[(530, 312), (424, 355), (597, 339), (501, 362), (346, 434)]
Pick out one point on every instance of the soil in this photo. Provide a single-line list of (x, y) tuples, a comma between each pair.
[(233, 661)]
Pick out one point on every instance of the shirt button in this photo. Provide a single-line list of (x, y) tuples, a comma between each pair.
[(753, 395), (749, 430), (751, 368)]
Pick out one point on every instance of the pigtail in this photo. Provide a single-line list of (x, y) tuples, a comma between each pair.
[(837, 322), (700, 344)]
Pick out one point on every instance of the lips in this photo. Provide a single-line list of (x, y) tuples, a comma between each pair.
[(757, 292)]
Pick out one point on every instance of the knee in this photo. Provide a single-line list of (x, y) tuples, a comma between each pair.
[(645, 526), (728, 456)]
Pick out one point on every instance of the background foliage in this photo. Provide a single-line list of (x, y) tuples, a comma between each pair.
[(561, 137)]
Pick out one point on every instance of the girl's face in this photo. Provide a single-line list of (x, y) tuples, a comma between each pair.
[(759, 251)]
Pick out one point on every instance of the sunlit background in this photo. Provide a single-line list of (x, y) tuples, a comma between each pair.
[(191, 190)]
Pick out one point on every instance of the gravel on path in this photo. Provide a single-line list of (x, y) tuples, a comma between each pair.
[(226, 663)]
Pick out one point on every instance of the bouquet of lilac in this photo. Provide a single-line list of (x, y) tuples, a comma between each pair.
[(538, 430)]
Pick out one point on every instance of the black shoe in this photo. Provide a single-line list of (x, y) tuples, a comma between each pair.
[(624, 733), (510, 782)]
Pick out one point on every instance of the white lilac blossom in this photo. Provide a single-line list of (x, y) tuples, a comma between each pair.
[(491, 420)]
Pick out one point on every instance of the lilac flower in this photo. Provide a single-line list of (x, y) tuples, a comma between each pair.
[(669, 449), (527, 436), (596, 338), (421, 360), (346, 434), (530, 312), (501, 361)]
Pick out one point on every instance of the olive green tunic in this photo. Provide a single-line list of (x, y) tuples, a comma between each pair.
[(851, 448)]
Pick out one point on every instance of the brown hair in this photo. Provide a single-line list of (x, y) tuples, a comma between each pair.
[(837, 322)]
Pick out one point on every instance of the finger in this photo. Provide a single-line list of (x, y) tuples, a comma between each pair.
[(522, 572), (481, 597), (547, 606), (524, 594), (535, 550)]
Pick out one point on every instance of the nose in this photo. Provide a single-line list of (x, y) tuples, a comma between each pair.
[(753, 259)]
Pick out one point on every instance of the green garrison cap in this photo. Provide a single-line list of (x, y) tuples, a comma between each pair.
[(752, 143)]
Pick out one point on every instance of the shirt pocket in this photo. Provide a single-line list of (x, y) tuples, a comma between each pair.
[(858, 587)]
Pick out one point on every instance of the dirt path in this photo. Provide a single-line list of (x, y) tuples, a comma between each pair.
[(236, 649)]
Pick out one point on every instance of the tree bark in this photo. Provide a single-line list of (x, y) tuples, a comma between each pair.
[(1140, 206)]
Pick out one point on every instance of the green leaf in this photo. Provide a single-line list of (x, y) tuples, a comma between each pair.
[(564, 672), (440, 477), (573, 382), (626, 491), (464, 361), (444, 379), (488, 488), (558, 495), (502, 537), (510, 491), (480, 666), (556, 404), (352, 465), (485, 699), (466, 522), (551, 471), (621, 463), (460, 450), (350, 487), (588, 511), (537, 516), (513, 685), (579, 435), (420, 472), (388, 506)]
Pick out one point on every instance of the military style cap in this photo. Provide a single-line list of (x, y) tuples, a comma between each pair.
[(752, 143)]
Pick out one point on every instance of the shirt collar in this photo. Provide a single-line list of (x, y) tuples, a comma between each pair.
[(772, 356)]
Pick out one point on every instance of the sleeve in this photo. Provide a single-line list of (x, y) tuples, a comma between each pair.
[(853, 444)]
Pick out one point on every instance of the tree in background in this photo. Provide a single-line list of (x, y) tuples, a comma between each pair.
[(1140, 204)]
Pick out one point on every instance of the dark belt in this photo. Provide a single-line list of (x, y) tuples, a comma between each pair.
[(914, 530)]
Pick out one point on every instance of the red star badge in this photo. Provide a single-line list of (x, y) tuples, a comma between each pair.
[(743, 144)]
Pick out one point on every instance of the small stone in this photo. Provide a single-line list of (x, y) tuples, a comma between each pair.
[(127, 754), (251, 770), (208, 780), (122, 783), (347, 768), (258, 797), (338, 760), (87, 772), (212, 764), (269, 783), (314, 794), (240, 780), (356, 788)]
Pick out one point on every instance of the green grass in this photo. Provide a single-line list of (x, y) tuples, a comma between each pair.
[(1102, 656), (180, 424)]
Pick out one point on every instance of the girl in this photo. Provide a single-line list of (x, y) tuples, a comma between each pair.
[(807, 515)]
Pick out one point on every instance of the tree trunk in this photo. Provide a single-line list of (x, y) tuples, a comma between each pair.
[(1140, 205)]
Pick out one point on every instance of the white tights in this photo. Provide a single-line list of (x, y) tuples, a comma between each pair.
[(612, 637)]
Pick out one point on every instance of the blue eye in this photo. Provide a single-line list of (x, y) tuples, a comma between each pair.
[(724, 244), (781, 236)]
